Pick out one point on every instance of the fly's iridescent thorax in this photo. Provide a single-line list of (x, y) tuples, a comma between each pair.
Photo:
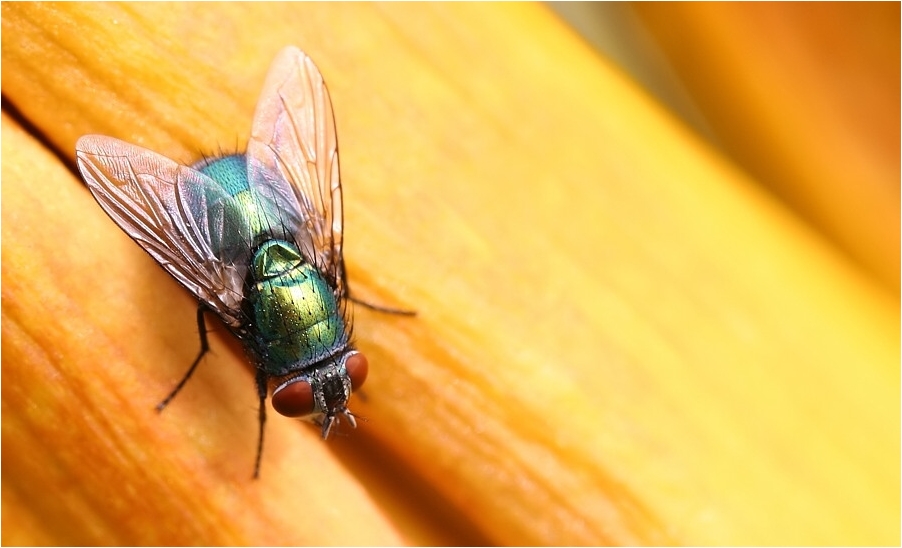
[(239, 218), (295, 320)]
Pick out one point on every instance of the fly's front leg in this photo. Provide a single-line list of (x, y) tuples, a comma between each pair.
[(261, 392), (204, 348)]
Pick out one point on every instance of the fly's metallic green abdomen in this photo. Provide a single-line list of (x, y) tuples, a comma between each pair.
[(295, 321), (293, 318)]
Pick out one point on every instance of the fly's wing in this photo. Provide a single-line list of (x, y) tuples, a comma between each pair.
[(166, 208), (292, 157)]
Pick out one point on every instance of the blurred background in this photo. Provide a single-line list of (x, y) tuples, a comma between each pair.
[(820, 86)]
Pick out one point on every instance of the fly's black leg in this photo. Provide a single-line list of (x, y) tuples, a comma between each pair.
[(347, 295), (384, 309), (261, 391), (204, 348)]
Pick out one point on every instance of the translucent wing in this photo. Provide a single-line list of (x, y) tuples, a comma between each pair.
[(292, 157), (171, 211)]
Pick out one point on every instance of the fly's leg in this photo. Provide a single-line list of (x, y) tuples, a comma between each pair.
[(383, 309), (204, 348), (261, 392), (346, 293)]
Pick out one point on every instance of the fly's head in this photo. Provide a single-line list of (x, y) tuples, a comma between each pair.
[(321, 393)]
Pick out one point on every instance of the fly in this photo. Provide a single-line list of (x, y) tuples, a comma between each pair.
[(257, 239)]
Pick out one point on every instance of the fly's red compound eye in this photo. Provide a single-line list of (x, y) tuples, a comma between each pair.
[(357, 367), (294, 399)]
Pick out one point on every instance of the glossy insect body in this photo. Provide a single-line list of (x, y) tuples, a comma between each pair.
[(256, 237)]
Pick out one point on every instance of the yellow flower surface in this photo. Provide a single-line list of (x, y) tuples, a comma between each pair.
[(621, 338)]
